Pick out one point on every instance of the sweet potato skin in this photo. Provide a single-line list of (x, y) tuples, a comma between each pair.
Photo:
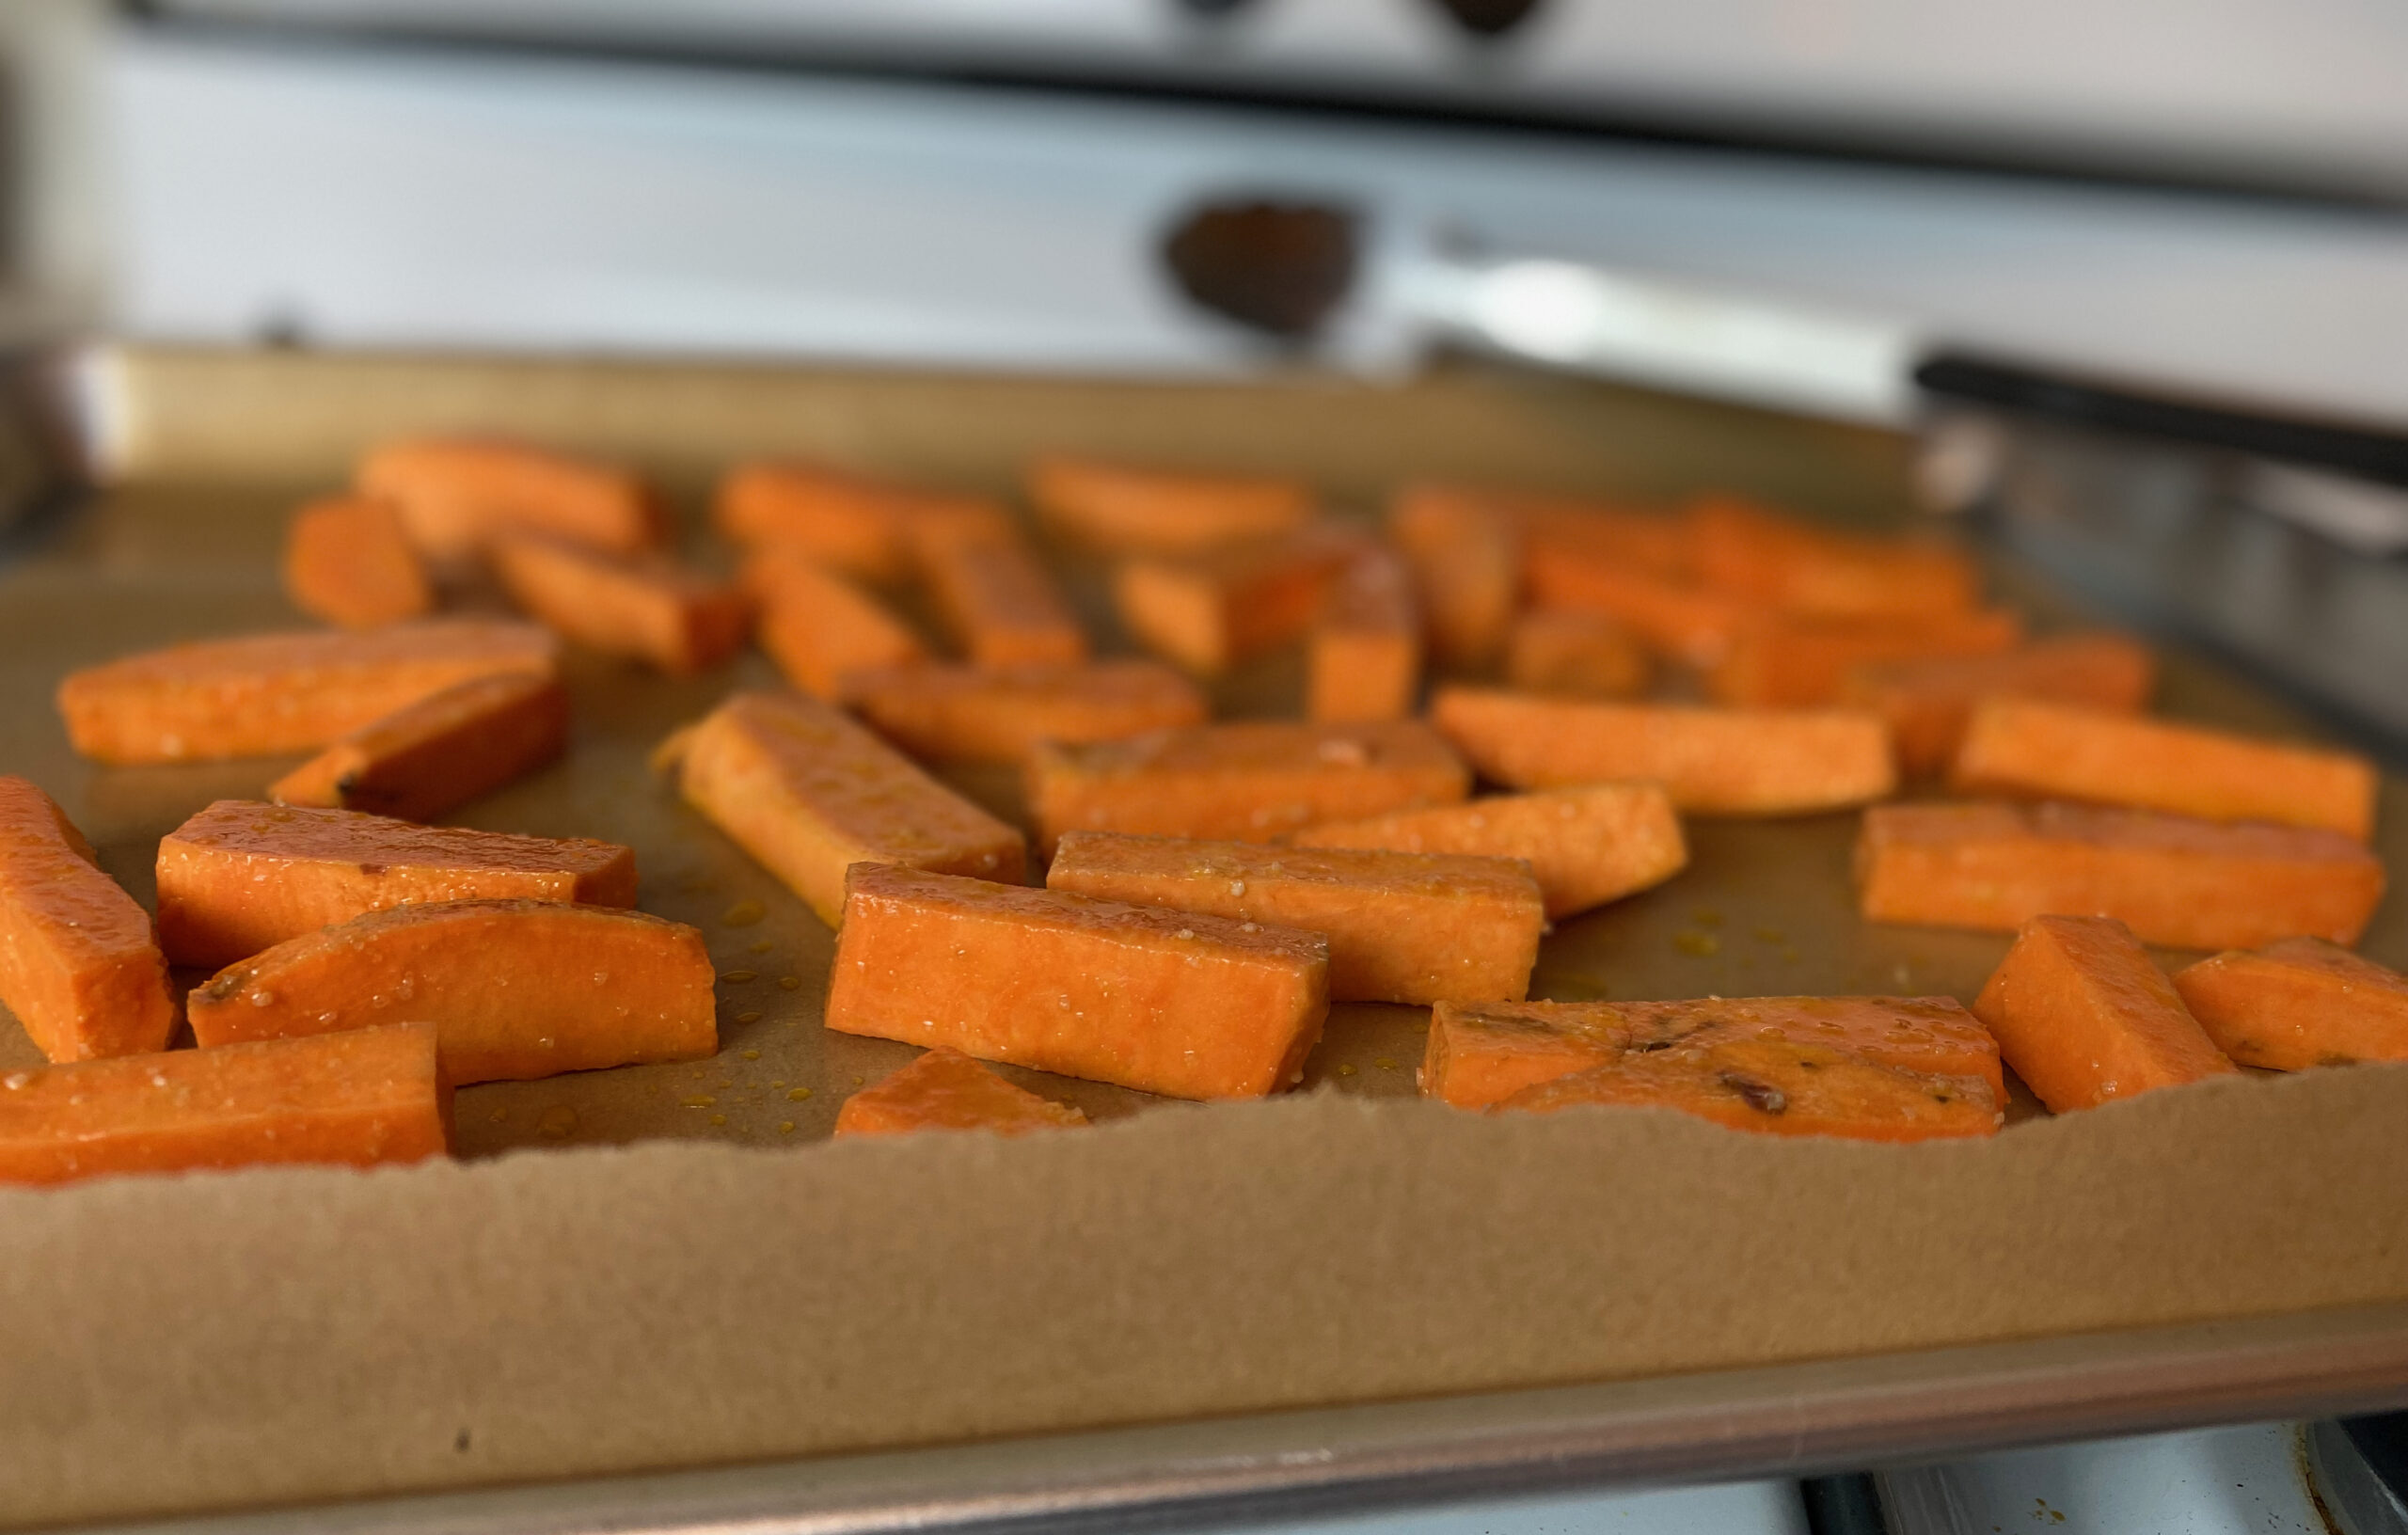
[(2084, 1016), (361, 1099), (644, 607), (239, 878), (1928, 702), (809, 791), (2296, 1004), (1166, 1002), (454, 494), (1402, 927), (1990, 866), (820, 628), (1132, 510), (440, 752), (1730, 761), (267, 694), (346, 561), (79, 963), (945, 1089), (1777, 1087), (942, 713), (1584, 845), (2056, 751), (516, 989)]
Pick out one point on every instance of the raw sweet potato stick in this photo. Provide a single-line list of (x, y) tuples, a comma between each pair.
[(515, 990), (239, 878), (1404, 928), (2298, 1003), (1674, 617), (942, 713), (2084, 1016), (1129, 510), (994, 597), (640, 606), (1731, 762), (440, 752), (1164, 1001), (266, 694), (1778, 1087), (1927, 702), (454, 494), (2059, 750), (820, 628), (841, 521), (809, 791), (79, 963), (346, 561), (945, 1089), (1801, 663), (1211, 612), (1465, 559), (357, 1098), (1786, 563), (1363, 659), (2186, 883), (1562, 650)]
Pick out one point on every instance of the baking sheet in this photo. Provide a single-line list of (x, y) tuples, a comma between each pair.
[(559, 1316)]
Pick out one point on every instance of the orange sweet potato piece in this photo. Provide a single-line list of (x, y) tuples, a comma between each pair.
[(1614, 534), (1731, 762), (1799, 663), (948, 1090), (346, 561), (965, 714), (515, 990), (440, 752), (359, 1099), (991, 592), (79, 965), (1779, 1088), (1406, 928), (1671, 615), (239, 878), (1245, 781), (644, 607), (1482, 1053), (1129, 510), (1164, 1001), (1584, 845), (1465, 558), (820, 627), (1928, 701), (1782, 561), (841, 521), (2058, 751), (1364, 657), (808, 792), (1210, 611), (1564, 650), (2084, 1016), (454, 494), (2298, 1003), (265, 694), (2174, 881)]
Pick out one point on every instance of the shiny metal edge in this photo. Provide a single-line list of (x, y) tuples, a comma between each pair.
[(1790, 1420)]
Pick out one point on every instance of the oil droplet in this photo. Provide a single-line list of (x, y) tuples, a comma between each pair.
[(17, 1078), (798, 1093), (762, 946), (718, 1118), (748, 1017), (557, 1121), (1771, 935), (1345, 1070), (1384, 1063), (857, 1082), (1187, 932), (499, 1116), (743, 914), (1237, 887), (752, 1054), (1706, 916), (263, 999), (777, 1081), (1698, 946), (737, 977), (697, 1101), (786, 1127), (790, 983)]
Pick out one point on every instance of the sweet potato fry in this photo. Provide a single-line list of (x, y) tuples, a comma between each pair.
[(359, 1099), (948, 1090), (1927, 702), (1166, 1001), (1786, 563), (643, 607), (1364, 657), (440, 752), (1245, 781), (1672, 616), (1465, 558), (1729, 762), (79, 964), (266, 694), (2298, 1003), (942, 713), (1800, 663), (239, 878), (1208, 612), (1406, 928), (1584, 845), (1128, 510), (1483, 1053), (808, 792), (991, 592), (820, 627), (2084, 1016), (515, 990), (2174, 881), (2058, 751), (346, 561), (1582, 655), (1779, 1088), (842, 522), (454, 494), (1614, 534)]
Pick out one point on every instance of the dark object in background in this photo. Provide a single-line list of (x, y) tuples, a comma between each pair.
[(1282, 268), (1488, 17)]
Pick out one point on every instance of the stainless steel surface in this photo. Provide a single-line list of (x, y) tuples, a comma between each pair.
[(2357, 1499)]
